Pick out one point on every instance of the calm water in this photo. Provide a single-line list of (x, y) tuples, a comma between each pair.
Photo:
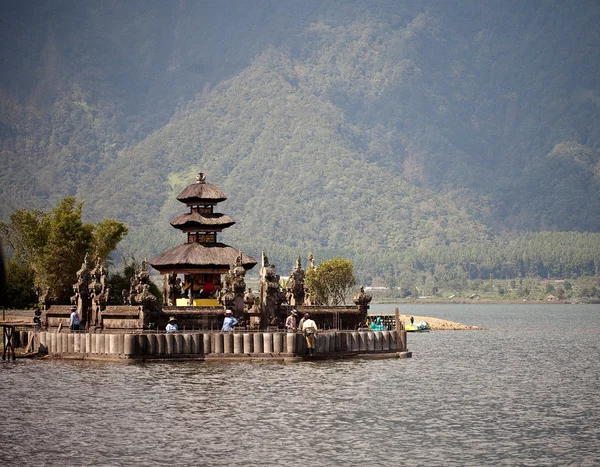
[(523, 392)]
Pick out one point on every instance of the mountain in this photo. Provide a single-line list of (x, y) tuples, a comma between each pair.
[(380, 131)]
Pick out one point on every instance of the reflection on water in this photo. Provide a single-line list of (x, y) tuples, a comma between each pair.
[(524, 391)]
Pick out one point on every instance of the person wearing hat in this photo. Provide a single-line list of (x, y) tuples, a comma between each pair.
[(309, 328), (229, 322), (74, 319), (172, 325), (290, 322)]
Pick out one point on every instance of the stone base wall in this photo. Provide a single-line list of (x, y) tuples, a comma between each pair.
[(218, 345)]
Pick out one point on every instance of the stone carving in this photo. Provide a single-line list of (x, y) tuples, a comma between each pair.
[(311, 261), (362, 299), (296, 285), (201, 177), (98, 292), (46, 299), (171, 289), (82, 299), (139, 291), (234, 287), (271, 295)]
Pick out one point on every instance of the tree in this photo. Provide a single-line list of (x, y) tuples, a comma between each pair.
[(54, 244), (20, 292), (331, 281)]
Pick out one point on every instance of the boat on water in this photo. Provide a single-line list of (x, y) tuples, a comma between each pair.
[(423, 326)]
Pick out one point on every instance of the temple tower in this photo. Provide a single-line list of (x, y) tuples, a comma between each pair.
[(202, 260)]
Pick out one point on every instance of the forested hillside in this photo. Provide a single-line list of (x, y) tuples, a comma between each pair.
[(455, 140)]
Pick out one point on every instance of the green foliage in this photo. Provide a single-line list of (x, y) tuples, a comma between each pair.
[(53, 245), (331, 281), (20, 292), (412, 138), (121, 281)]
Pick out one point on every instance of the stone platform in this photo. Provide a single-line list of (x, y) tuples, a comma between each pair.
[(217, 346)]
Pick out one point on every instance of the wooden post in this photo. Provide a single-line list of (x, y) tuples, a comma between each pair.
[(400, 333)]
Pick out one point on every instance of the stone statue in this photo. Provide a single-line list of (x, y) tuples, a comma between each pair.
[(82, 298), (271, 295), (139, 292), (311, 261), (98, 292), (362, 300), (296, 284), (234, 287), (47, 299)]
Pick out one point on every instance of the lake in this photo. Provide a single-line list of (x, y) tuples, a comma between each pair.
[(524, 391)]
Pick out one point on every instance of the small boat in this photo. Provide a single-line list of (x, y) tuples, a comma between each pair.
[(423, 326)]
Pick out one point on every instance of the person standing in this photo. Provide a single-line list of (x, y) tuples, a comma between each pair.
[(74, 319), (229, 322), (309, 328), (290, 322)]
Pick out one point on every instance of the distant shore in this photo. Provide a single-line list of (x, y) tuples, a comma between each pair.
[(466, 301)]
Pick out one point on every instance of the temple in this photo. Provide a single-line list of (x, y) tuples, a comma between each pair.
[(193, 272), (201, 279)]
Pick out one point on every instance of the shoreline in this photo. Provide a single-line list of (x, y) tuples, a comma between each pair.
[(442, 301)]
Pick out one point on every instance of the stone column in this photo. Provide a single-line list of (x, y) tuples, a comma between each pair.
[(142, 344), (258, 342), (248, 341), (188, 344), (161, 344), (197, 344), (332, 342), (370, 341), (290, 338), (151, 344), (206, 342), (178, 349), (52, 346), (355, 345), (88, 343), (362, 342), (228, 342), (277, 342), (393, 340), (385, 341), (170, 344), (218, 343), (268, 342), (378, 341), (120, 344), (129, 345), (238, 343), (114, 344)]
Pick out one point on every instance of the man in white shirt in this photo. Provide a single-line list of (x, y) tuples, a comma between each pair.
[(74, 320), (172, 325), (309, 328)]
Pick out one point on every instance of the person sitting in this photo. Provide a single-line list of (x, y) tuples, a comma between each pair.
[(229, 322), (172, 325)]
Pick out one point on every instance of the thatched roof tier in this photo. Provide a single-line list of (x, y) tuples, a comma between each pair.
[(215, 257), (201, 193), (199, 221)]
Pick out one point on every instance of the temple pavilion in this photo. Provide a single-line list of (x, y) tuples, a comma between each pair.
[(202, 260)]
